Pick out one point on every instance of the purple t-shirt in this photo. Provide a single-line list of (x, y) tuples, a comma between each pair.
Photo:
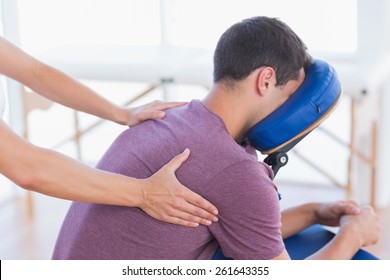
[(218, 169)]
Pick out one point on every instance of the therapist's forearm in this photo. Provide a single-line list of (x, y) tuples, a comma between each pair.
[(60, 176), (62, 89), (65, 90), (54, 174), (56, 85)]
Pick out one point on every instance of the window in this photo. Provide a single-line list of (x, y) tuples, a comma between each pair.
[(329, 25), (46, 24)]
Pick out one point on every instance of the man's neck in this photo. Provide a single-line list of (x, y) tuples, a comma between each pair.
[(231, 108)]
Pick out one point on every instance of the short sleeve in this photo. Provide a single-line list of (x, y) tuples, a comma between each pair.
[(249, 225)]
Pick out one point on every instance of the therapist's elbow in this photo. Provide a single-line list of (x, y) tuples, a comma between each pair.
[(32, 171), (28, 180)]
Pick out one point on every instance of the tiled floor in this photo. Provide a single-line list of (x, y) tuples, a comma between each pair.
[(25, 235)]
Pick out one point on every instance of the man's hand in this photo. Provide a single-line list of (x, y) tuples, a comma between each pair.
[(166, 199), (329, 214), (363, 228), (153, 110)]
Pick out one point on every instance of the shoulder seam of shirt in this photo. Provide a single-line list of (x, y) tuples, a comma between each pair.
[(222, 170)]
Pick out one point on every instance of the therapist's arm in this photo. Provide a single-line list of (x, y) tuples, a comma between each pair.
[(54, 174), (59, 87)]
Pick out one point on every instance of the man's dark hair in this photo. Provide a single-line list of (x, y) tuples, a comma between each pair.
[(257, 42)]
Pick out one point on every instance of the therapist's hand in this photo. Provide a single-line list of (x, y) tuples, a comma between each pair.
[(153, 110), (166, 199), (329, 214)]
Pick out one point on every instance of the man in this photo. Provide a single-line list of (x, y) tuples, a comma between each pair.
[(258, 64)]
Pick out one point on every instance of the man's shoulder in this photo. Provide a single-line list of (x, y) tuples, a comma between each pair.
[(247, 168)]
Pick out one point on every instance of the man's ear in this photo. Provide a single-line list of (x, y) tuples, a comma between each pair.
[(265, 79)]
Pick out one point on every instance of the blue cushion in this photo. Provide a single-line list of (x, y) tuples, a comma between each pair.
[(308, 106), (306, 243)]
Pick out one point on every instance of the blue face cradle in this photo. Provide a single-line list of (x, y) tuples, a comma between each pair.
[(312, 102), (306, 109)]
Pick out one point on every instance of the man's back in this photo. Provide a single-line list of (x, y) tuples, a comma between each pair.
[(218, 169)]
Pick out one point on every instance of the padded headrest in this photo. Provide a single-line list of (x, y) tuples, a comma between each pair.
[(307, 108)]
